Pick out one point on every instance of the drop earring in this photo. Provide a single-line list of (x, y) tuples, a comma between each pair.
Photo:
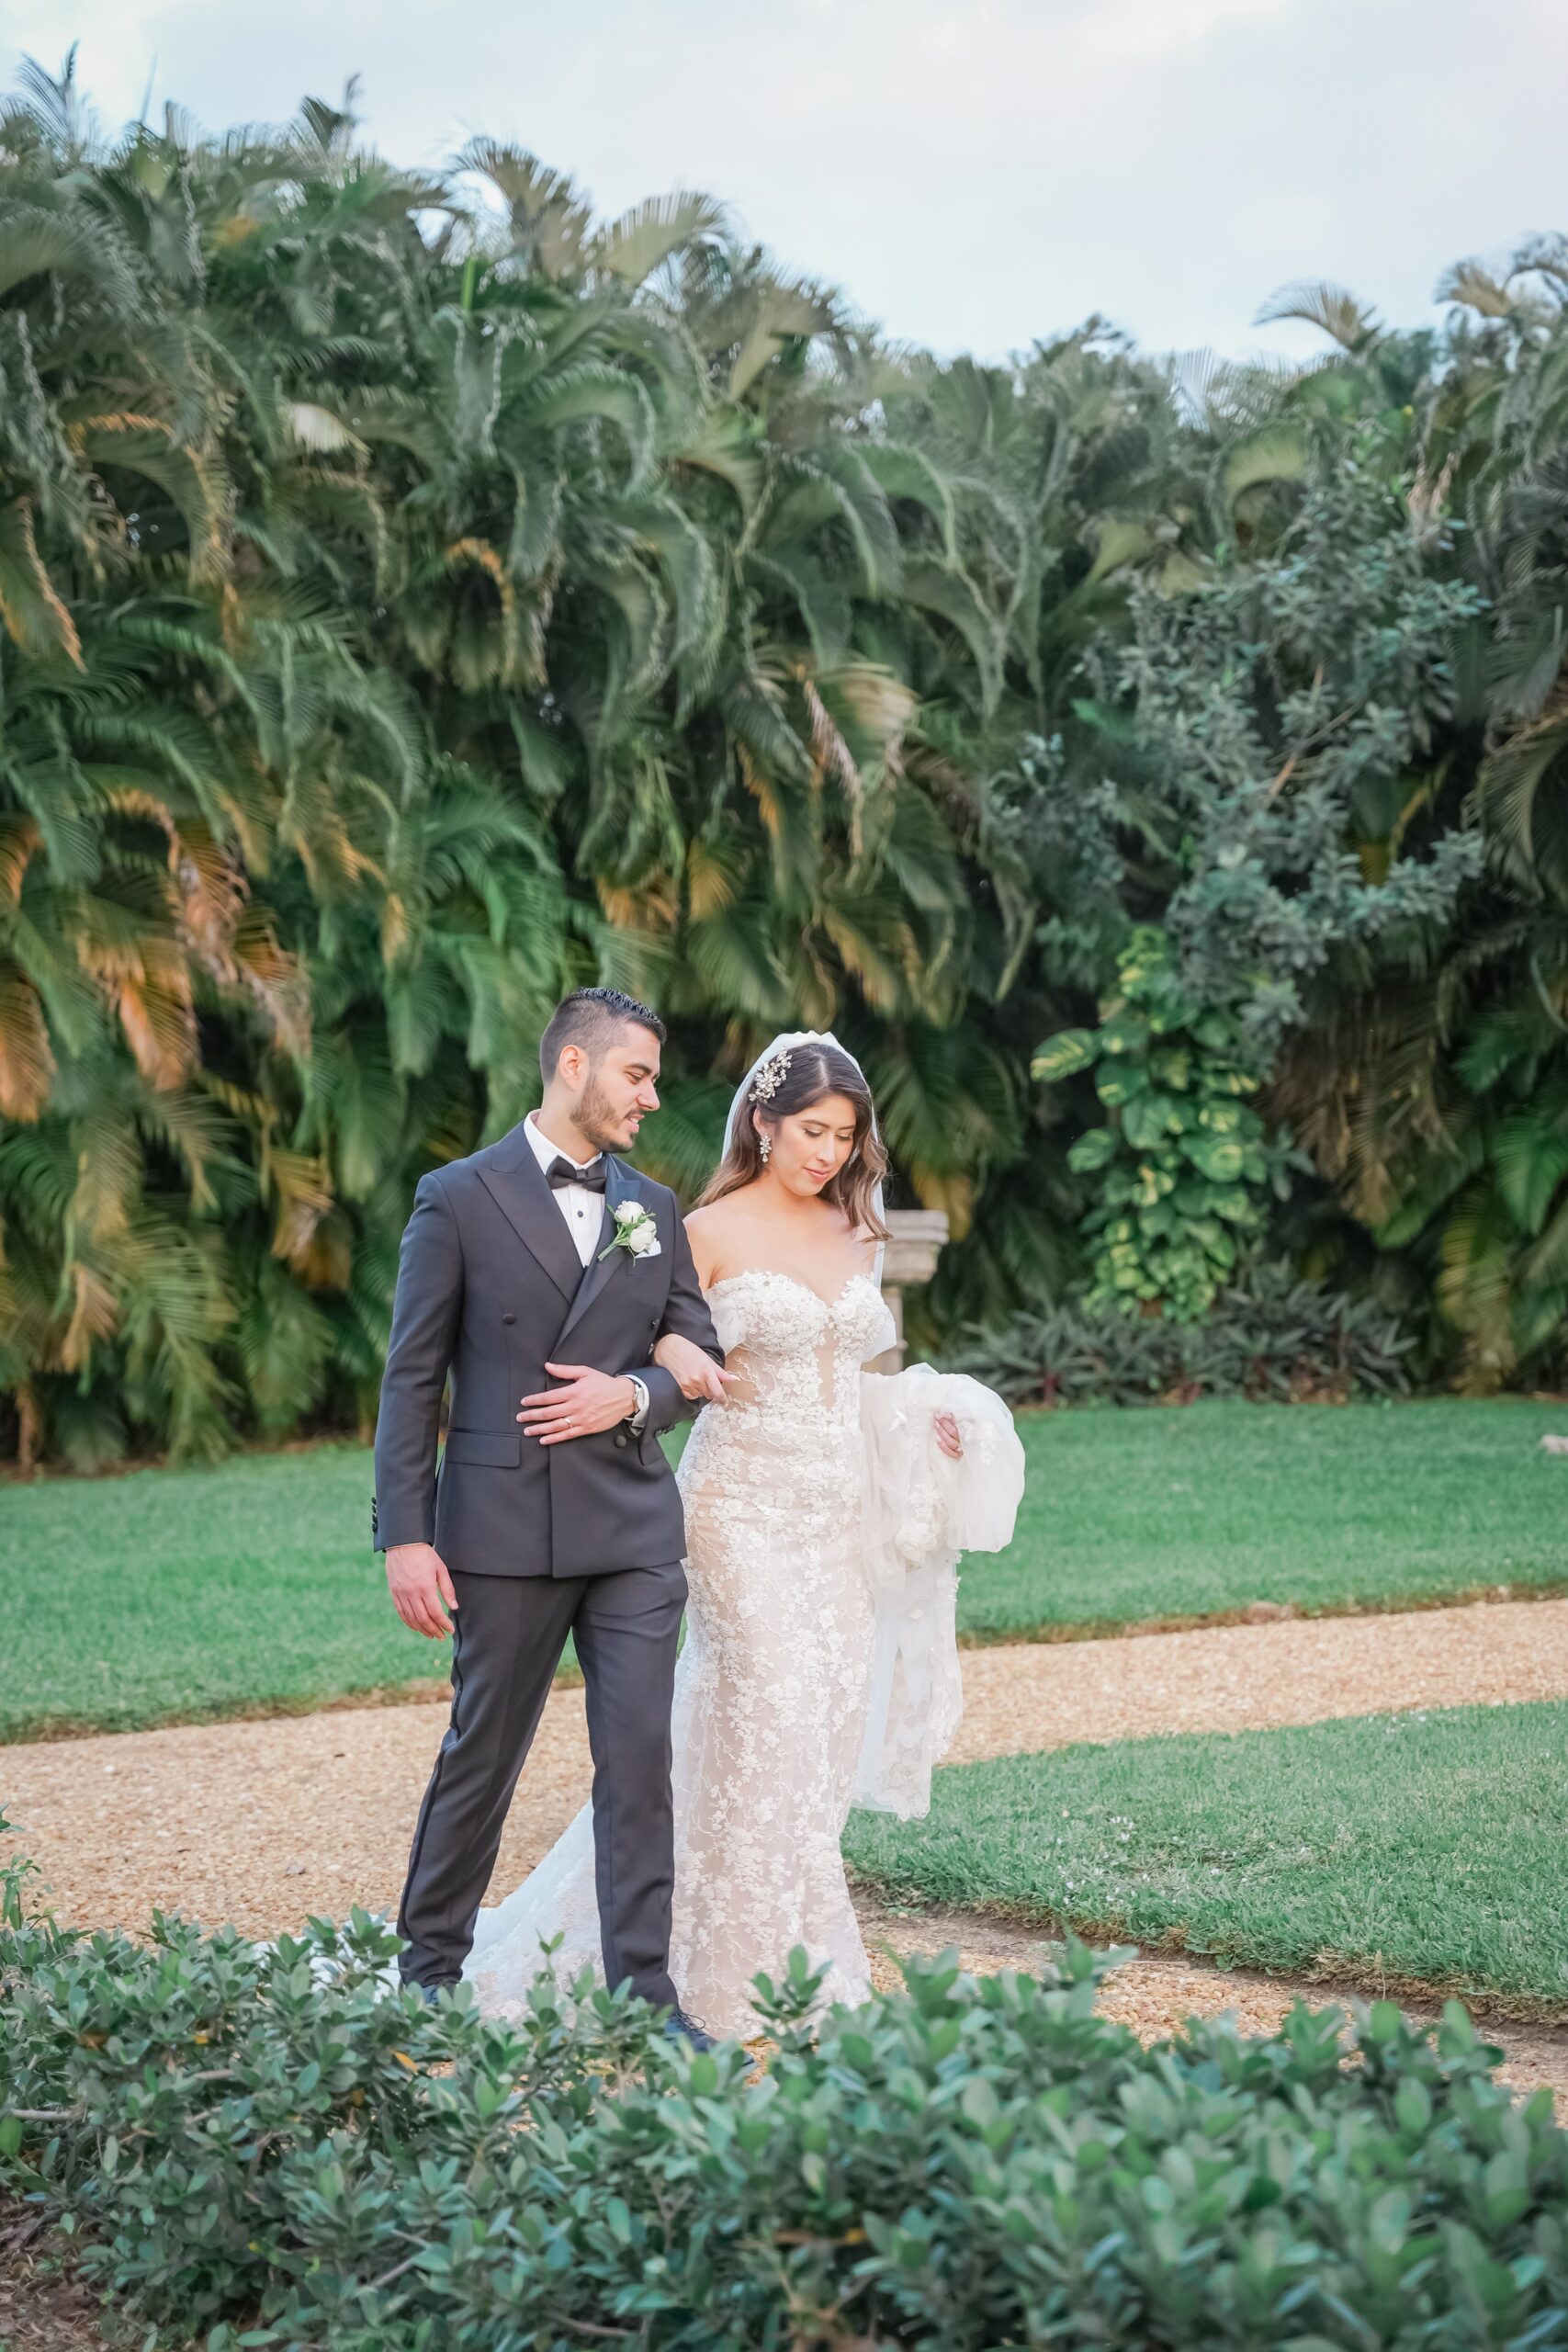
[(765, 1146)]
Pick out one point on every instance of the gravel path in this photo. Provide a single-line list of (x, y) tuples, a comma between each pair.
[(1158, 1991), (267, 1823), (1025, 1696)]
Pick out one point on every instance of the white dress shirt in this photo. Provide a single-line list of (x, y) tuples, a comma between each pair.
[(584, 1214), (584, 1210)]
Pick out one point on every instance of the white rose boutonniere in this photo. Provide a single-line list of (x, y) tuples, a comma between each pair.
[(635, 1231)]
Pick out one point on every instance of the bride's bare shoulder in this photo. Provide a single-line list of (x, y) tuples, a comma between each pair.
[(711, 1232), (715, 1219)]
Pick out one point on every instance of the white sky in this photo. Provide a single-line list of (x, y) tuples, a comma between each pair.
[(972, 172)]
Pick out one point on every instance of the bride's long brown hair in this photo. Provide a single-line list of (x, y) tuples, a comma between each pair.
[(815, 1072)]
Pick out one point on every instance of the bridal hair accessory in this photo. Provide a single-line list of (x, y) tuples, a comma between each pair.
[(772, 1063), (770, 1078)]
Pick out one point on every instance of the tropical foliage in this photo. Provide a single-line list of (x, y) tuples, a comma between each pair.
[(1271, 1336), (400, 627), (1183, 1161), (418, 596)]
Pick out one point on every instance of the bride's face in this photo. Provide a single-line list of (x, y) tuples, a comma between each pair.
[(811, 1146)]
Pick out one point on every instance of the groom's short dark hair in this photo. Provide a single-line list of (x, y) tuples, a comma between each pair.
[(588, 1018)]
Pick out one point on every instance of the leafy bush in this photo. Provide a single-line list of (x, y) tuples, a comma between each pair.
[(1184, 1163), (1272, 1338), (266, 2145)]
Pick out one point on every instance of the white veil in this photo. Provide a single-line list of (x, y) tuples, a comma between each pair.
[(920, 1510)]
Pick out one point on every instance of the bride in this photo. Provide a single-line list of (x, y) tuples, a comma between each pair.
[(825, 1509)]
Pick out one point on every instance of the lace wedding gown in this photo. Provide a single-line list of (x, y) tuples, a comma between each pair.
[(792, 1649)]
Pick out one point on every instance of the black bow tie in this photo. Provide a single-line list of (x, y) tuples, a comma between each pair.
[(561, 1171)]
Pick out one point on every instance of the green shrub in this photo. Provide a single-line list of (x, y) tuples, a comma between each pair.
[(266, 2145), (1184, 1163), (1272, 1338)]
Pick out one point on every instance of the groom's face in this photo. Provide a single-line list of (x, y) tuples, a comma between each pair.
[(619, 1090)]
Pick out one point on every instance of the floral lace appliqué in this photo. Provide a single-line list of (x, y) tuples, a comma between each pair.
[(772, 1687)]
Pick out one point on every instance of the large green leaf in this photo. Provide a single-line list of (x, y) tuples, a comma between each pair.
[(1119, 1084), (634, 246), (587, 394), (1093, 1150), (32, 610), (1147, 1120), (1064, 1055), (952, 597), (1219, 1157), (36, 242)]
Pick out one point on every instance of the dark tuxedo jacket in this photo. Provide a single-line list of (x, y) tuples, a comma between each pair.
[(491, 1288)]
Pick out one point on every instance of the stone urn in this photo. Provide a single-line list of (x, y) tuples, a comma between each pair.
[(915, 1238)]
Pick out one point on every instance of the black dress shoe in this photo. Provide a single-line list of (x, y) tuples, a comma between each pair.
[(679, 2027)]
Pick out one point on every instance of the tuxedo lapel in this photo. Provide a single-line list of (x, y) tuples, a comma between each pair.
[(515, 1181), (620, 1184)]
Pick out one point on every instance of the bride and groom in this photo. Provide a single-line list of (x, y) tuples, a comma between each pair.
[(810, 1538)]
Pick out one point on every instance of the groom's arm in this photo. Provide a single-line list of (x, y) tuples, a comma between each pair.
[(425, 1310), (686, 1314)]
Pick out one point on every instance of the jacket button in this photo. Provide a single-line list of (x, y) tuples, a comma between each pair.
[(620, 1437), (509, 1319)]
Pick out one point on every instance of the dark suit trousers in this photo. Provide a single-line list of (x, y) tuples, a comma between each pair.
[(509, 1633)]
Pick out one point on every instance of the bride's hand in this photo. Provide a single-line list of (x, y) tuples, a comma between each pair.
[(948, 1436), (697, 1374)]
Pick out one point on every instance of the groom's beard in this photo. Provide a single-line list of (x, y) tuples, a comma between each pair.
[(595, 1120)]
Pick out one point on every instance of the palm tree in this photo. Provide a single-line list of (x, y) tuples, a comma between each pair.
[(1427, 1086), (402, 626)]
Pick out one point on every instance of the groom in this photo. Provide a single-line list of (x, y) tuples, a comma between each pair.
[(541, 1273)]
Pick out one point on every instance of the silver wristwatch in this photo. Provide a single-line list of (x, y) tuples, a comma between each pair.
[(639, 1413)]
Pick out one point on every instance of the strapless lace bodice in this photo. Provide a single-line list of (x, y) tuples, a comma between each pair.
[(779, 1315), (796, 1356)]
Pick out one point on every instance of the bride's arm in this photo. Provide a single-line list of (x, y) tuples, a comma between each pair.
[(687, 1348), (688, 1363), (696, 1376)]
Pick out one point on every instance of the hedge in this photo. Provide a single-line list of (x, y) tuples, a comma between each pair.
[(266, 2145)]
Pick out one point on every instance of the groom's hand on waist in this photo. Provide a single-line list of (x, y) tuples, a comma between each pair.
[(589, 1402), (419, 1583)]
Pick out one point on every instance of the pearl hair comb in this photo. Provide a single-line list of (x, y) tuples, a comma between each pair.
[(770, 1078)]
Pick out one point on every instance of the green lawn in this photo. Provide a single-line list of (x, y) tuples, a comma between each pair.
[(191, 1593), (1428, 1847), (183, 1593), (1196, 1512)]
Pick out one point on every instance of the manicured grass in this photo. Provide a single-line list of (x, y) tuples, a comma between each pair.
[(199, 1592), (1200, 1511), (173, 1594), (1422, 1847)]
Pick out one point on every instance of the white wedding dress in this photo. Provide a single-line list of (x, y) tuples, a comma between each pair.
[(820, 1666)]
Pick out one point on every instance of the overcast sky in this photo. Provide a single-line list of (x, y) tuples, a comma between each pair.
[(973, 174)]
